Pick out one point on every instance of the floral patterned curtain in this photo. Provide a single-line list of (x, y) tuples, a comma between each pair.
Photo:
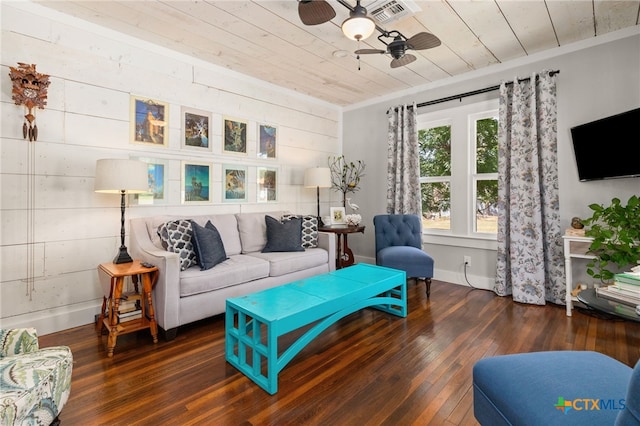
[(530, 258), (403, 162)]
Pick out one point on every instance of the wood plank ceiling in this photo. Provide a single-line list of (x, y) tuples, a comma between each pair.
[(265, 39)]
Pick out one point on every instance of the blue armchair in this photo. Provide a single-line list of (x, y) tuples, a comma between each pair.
[(556, 388), (399, 246)]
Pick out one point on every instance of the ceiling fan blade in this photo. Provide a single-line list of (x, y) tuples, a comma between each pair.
[(404, 60), (423, 41), (314, 12), (368, 51)]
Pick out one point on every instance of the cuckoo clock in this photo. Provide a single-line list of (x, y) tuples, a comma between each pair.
[(30, 90)]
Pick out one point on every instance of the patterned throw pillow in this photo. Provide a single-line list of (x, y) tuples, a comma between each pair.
[(176, 237), (309, 229)]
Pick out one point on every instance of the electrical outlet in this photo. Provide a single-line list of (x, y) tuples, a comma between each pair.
[(467, 261)]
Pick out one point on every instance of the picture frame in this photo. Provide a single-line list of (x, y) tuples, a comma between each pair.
[(158, 171), (267, 141), (149, 122), (337, 215), (234, 179), (196, 182), (267, 184), (196, 129), (234, 135)]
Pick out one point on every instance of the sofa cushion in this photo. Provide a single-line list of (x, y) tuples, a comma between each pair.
[(227, 226), (153, 224), (281, 263), (283, 236), (176, 236), (253, 230), (226, 223), (208, 245), (237, 269), (309, 229)]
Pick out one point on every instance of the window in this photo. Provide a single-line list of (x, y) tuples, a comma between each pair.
[(459, 169)]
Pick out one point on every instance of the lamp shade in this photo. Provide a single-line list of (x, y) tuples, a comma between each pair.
[(358, 26), (317, 177), (113, 176)]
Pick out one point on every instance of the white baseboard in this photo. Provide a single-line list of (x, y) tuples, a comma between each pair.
[(54, 320), (453, 277)]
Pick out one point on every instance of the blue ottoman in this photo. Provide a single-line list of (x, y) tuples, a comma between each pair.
[(556, 388)]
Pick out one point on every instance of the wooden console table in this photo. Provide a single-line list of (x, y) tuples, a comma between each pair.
[(345, 255), (112, 277)]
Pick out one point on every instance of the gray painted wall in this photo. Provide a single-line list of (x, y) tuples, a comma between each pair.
[(594, 81)]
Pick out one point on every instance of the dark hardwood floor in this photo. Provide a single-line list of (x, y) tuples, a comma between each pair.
[(370, 368)]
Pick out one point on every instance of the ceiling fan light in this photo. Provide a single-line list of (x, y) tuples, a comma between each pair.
[(358, 26)]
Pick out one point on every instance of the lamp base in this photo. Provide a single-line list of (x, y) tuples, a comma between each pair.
[(123, 256)]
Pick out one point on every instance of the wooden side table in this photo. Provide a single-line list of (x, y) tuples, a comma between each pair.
[(345, 255), (112, 277)]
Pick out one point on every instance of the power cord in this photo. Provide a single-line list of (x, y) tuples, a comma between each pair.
[(466, 265)]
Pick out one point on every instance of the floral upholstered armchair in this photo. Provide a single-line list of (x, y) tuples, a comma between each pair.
[(34, 383)]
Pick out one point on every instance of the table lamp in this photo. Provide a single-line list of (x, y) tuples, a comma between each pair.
[(317, 177), (121, 176)]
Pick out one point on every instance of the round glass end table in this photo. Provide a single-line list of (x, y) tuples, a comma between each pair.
[(591, 300)]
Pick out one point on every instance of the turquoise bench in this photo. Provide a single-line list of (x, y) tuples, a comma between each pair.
[(254, 322)]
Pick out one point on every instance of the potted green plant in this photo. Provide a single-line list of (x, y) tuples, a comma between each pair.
[(345, 175), (615, 230)]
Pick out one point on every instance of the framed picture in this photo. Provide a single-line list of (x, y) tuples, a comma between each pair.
[(267, 141), (196, 182), (337, 215), (195, 129), (149, 122), (235, 183), (235, 136), (267, 184), (158, 170)]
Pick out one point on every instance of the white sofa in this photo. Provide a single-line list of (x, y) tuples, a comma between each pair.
[(182, 297)]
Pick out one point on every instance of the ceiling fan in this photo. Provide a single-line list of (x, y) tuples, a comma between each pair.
[(314, 12), (359, 26), (400, 44)]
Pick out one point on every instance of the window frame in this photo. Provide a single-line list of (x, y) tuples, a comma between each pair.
[(463, 166)]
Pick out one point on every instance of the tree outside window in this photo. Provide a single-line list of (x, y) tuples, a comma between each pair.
[(458, 170)]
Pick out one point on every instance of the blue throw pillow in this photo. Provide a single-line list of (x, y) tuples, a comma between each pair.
[(283, 236), (208, 245)]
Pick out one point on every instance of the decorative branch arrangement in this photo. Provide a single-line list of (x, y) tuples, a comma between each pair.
[(345, 175)]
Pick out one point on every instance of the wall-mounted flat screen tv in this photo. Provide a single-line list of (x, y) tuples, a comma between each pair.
[(606, 148)]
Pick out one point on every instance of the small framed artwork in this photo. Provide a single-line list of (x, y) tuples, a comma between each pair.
[(267, 141), (157, 178), (337, 215), (196, 182), (267, 184), (195, 129), (235, 183), (149, 122), (235, 136)]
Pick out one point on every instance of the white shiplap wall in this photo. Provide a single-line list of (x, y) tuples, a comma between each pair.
[(93, 73)]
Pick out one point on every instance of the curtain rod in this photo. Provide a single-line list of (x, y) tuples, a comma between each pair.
[(472, 93)]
